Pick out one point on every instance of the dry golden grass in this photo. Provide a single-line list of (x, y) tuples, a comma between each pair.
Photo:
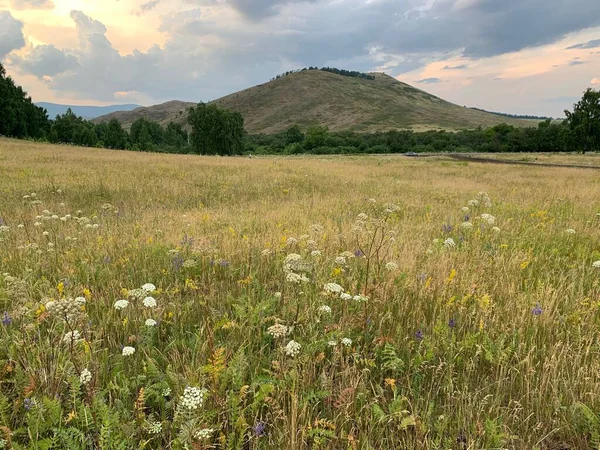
[(502, 377)]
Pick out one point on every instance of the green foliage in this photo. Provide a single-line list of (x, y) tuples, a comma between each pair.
[(115, 136), (584, 122), (216, 131), (19, 116)]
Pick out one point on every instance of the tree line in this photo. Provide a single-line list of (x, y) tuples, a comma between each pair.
[(343, 72), (217, 131)]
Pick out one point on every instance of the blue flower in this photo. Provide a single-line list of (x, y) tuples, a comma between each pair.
[(452, 323), (6, 319), (178, 262), (447, 228), (359, 253), (419, 335), (259, 429), (28, 403), (537, 311)]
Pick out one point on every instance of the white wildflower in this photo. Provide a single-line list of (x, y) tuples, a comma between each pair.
[(345, 296), (347, 342), (266, 252), (324, 309), (362, 217), (491, 220), (278, 330), (340, 261), (473, 203), (391, 266), (291, 241), (192, 398), (72, 337), (570, 231), (466, 225), (449, 243), (292, 349), (465, 209), (332, 343), (296, 278), (333, 288), (315, 253), (121, 304), (204, 433), (150, 323), (128, 351), (85, 377), (277, 294), (149, 287), (154, 427), (360, 298), (496, 230), (149, 302), (596, 264)]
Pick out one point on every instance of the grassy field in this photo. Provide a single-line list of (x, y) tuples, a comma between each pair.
[(467, 320)]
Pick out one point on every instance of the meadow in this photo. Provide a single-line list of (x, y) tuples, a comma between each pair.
[(361, 302)]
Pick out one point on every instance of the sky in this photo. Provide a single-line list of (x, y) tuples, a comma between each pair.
[(518, 56)]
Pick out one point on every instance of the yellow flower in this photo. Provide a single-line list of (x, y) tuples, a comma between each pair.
[(451, 277), (125, 321), (481, 325), (524, 265), (87, 293), (336, 272), (60, 288), (485, 302), (391, 382)]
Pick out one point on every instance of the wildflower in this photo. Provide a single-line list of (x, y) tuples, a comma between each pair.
[(311, 243), (266, 252), (447, 228), (362, 216), (292, 349), (452, 323), (72, 337), (20, 226), (358, 254), (150, 323), (473, 203), (333, 288), (296, 278), (332, 343), (596, 264), (449, 243), (291, 241), (465, 209), (316, 228), (149, 302), (466, 225), (192, 398), (496, 230), (85, 377), (315, 253), (277, 294), (259, 429), (488, 218), (204, 433), (391, 266), (322, 309), (340, 261), (537, 311), (149, 287), (189, 263), (570, 231), (138, 293), (419, 335), (128, 351), (28, 403), (166, 392), (154, 427), (6, 319), (121, 304), (360, 298), (345, 296), (45, 233), (347, 342), (278, 330), (80, 301)]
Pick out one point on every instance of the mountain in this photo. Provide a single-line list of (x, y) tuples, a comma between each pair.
[(87, 112), (315, 97)]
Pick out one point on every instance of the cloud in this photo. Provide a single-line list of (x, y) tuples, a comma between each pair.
[(148, 6), (429, 81), (32, 4), (259, 9), (595, 81), (459, 67), (45, 60), (590, 44), (11, 34), (576, 63)]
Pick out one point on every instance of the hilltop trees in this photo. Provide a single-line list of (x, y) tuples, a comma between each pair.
[(19, 116), (216, 131), (584, 121)]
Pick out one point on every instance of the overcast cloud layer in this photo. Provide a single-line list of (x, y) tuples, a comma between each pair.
[(475, 52)]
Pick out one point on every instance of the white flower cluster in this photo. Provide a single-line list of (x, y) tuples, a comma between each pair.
[(294, 269), (332, 343), (570, 231), (154, 427), (121, 304), (296, 278), (150, 323), (324, 309), (192, 398), (204, 433), (466, 225), (449, 243), (278, 330), (596, 264), (333, 288), (484, 199), (491, 220), (149, 288), (340, 261), (292, 349), (85, 377), (66, 307), (128, 351), (315, 253), (391, 266), (150, 302), (266, 252), (72, 337), (346, 342)]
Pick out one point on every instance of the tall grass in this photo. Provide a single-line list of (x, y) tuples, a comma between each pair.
[(454, 336)]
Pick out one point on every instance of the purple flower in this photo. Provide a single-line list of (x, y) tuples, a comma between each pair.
[(2, 221), (467, 218), (537, 311), (423, 277), (447, 228), (419, 335), (359, 253), (178, 262), (452, 323), (187, 241), (6, 319), (28, 403), (223, 263), (259, 429)]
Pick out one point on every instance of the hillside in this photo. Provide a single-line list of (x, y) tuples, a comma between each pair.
[(338, 102), (87, 112)]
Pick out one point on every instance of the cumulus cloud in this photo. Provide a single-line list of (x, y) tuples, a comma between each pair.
[(11, 34), (590, 44), (32, 4), (45, 61)]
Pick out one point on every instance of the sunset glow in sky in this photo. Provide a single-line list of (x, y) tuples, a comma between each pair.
[(518, 56)]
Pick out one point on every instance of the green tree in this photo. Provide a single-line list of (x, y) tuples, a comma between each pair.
[(115, 136), (176, 137), (216, 131), (584, 121), (293, 135)]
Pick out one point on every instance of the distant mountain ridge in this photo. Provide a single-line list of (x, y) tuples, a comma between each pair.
[(341, 103), (87, 112)]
